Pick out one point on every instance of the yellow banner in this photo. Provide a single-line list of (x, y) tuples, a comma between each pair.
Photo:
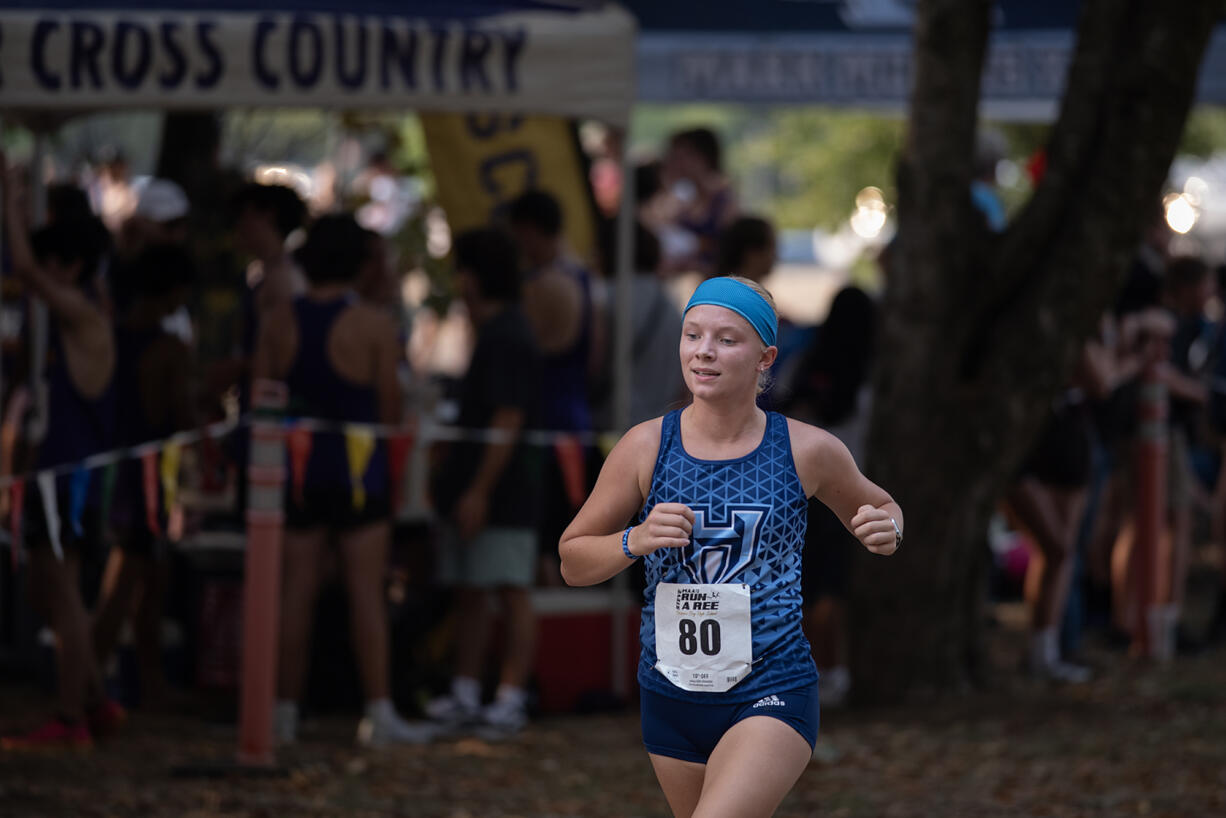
[(482, 162)]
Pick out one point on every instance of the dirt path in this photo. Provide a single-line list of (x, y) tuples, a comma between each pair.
[(1138, 742)]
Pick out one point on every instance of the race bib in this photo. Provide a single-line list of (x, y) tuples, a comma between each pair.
[(703, 638)]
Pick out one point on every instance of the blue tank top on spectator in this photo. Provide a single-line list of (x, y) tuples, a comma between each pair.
[(77, 426), (708, 227), (317, 390), (765, 483), (564, 401)]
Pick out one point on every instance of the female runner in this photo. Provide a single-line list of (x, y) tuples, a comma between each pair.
[(728, 687)]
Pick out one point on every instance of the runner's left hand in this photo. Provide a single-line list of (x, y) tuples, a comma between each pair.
[(873, 528)]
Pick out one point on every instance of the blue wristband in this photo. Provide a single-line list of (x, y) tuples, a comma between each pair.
[(626, 545)]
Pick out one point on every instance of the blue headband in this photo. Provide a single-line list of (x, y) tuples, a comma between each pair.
[(741, 299)]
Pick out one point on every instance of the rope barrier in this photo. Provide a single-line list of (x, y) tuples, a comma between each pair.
[(423, 433)]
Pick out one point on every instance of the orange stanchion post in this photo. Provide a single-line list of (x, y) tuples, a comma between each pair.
[(262, 575), (1151, 462)]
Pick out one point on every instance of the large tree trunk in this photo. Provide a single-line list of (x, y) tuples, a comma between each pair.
[(980, 330)]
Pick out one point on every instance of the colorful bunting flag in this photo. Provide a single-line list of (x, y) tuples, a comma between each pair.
[(359, 446), (149, 475), (46, 487), (399, 447), (172, 456), (298, 441)]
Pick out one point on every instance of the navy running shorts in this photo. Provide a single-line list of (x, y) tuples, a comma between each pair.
[(690, 730)]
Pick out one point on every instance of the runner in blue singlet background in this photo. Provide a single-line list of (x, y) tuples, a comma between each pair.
[(715, 496)]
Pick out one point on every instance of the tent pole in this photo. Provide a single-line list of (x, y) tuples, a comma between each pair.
[(622, 372), (2, 222), (39, 323)]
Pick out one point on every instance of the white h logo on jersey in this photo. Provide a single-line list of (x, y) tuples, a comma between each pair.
[(721, 552)]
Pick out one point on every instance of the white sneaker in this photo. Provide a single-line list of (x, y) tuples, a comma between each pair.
[(451, 711), (1064, 672), (384, 731), (505, 716)]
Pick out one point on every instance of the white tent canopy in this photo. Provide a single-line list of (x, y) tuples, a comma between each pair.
[(506, 57)]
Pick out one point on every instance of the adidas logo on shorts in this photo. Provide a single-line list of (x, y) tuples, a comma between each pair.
[(770, 701)]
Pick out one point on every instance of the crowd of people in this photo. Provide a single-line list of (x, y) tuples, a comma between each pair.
[(121, 370)]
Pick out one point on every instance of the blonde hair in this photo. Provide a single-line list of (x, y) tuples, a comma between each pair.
[(764, 378)]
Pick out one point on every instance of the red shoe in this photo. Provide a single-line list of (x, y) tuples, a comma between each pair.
[(56, 734), (106, 719)]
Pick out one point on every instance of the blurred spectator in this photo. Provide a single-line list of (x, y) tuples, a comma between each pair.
[(1175, 333), (113, 196), (1188, 287), (569, 332), (378, 282), (390, 197), (378, 285), (263, 218), (1118, 352), (62, 514), (338, 358), (1136, 333), (989, 151), (648, 185), (378, 167), (557, 301), (1142, 287), (1217, 422), (153, 369), (657, 383), (606, 172), (160, 218), (486, 492), (831, 390), (67, 202), (1049, 499), (747, 249), (700, 202)]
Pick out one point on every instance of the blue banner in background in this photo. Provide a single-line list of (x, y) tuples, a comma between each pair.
[(856, 53)]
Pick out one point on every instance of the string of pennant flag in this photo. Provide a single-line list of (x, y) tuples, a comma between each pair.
[(161, 462)]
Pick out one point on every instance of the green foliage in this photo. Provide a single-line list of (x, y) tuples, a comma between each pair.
[(1205, 132), (299, 136), (802, 167), (817, 161)]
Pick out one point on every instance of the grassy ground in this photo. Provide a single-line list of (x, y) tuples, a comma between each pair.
[(1138, 741)]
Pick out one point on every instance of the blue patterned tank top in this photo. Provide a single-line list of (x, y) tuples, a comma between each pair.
[(750, 518)]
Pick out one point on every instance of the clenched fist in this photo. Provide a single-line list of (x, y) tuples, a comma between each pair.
[(669, 525)]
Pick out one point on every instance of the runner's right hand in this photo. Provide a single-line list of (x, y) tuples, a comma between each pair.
[(669, 525)]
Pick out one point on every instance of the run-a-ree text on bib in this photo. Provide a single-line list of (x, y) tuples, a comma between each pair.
[(703, 637)]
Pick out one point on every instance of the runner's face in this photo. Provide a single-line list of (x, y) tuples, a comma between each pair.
[(721, 354)]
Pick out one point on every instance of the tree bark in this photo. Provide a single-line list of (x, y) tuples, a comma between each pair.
[(980, 330)]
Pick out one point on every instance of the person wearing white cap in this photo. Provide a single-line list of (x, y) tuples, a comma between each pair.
[(160, 217)]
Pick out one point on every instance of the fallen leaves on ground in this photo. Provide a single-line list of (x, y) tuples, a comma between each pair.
[(1139, 741)]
